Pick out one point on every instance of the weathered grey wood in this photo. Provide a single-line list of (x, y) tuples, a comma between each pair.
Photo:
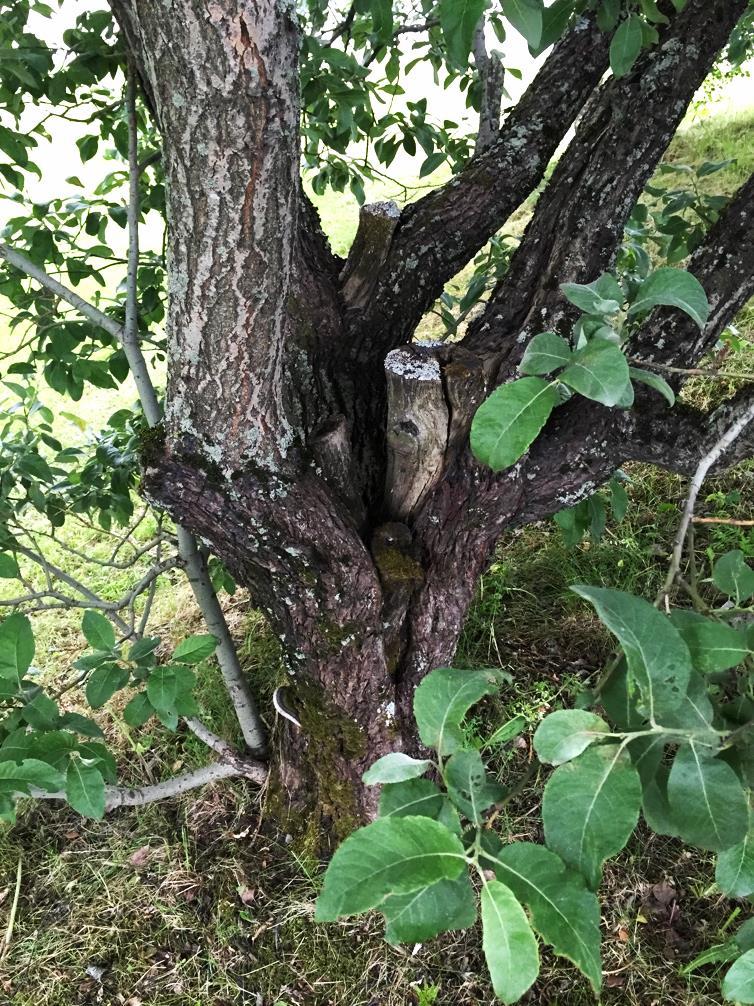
[(377, 223), (417, 428)]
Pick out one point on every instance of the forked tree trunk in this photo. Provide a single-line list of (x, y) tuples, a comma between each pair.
[(324, 458)]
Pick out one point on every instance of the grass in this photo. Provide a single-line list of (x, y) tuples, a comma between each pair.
[(196, 903)]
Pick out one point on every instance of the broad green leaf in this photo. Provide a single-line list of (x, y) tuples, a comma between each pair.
[(707, 800), (544, 353), (8, 566), (441, 908), (16, 646), (658, 659), (626, 45), (694, 713), (590, 808), (415, 797), (738, 984), (655, 805), (526, 18), (508, 422), (563, 911), (565, 733), (734, 872), (510, 947), (555, 20), (655, 382), (442, 700), (713, 645), (98, 631), (733, 576), (672, 288), (104, 682), (395, 767), (744, 937), (604, 296), (393, 855), (194, 649), (32, 772), (599, 371), (458, 21), (468, 785), (85, 789), (162, 688)]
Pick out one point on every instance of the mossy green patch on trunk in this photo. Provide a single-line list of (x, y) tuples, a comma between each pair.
[(325, 807)]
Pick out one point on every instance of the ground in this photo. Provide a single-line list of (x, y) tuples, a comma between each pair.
[(196, 902)]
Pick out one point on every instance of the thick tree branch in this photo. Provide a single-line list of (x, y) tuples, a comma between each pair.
[(579, 220), (439, 234), (724, 265)]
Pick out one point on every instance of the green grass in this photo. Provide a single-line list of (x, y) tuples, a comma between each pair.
[(215, 910)]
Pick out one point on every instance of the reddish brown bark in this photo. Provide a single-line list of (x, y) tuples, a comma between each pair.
[(286, 447)]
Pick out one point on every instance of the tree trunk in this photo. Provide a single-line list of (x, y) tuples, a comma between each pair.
[(321, 455)]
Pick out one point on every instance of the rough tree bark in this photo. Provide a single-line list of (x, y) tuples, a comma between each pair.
[(322, 455)]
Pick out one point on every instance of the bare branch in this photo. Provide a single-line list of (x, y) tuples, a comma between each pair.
[(125, 796), (492, 82), (718, 450), (439, 234), (24, 264)]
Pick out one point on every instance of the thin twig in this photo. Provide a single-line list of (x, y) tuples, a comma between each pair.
[(722, 520), (13, 910), (125, 796), (710, 458)]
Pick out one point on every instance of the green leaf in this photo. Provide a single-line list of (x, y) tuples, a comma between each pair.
[(510, 948), (195, 649), (468, 786), (415, 797), (440, 908), (564, 734), (162, 688), (658, 659), (590, 808), (98, 631), (16, 647), (508, 422), (32, 772), (8, 566), (544, 353), (672, 288), (734, 872), (442, 700), (733, 576), (395, 767), (507, 732), (603, 296), (655, 382), (713, 646), (85, 789), (738, 984), (626, 45), (104, 683), (458, 21), (599, 371), (707, 800), (393, 855), (526, 18), (564, 913)]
